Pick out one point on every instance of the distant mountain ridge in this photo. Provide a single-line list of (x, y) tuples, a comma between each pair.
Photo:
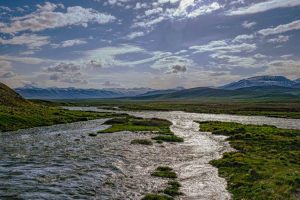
[(77, 93), (204, 93), (262, 81), (259, 87)]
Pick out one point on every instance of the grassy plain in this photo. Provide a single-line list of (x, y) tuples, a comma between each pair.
[(284, 109)]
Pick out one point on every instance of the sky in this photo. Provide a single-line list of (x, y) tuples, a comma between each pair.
[(155, 43)]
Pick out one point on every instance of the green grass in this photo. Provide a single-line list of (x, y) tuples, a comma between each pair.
[(285, 109), (157, 197), (164, 172), (173, 188), (142, 141), (136, 124), (266, 165), (168, 138), (33, 115)]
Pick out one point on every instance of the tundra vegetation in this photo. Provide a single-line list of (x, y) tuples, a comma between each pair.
[(266, 164), (136, 124)]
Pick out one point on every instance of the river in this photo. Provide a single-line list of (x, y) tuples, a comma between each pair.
[(64, 162)]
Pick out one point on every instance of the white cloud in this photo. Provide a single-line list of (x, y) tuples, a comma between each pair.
[(32, 41), (203, 10), (285, 67), (153, 11), (135, 34), (26, 60), (192, 9), (242, 38), (248, 25), (236, 61), (148, 23), (169, 61), (221, 46), (107, 56), (279, 39), (66, 73), (264, 6), (45, 17), (140, 5), (295, 25), (69, 43)]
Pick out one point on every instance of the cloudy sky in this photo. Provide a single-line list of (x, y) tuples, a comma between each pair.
[(153, 43)]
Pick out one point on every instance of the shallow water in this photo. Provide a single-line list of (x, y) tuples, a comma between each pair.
[(63, 162)]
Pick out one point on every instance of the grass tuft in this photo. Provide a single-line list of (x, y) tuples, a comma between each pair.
[(164, 172), (168, 138), (173, 188)]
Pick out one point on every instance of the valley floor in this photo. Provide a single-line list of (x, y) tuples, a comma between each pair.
[(270, 109), (116, 157)]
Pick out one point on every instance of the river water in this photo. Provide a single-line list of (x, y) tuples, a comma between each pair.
[(64, 162)]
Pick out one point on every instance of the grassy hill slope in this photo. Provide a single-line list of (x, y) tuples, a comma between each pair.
[(17, 113)]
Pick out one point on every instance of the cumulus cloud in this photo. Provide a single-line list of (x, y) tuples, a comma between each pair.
[(153, 11), (172, 63), (248, 25), (69, 43), (203, 10), (186, 9), (264, 6), (32, 41), (45, 17), (66, 73), (295, 25)]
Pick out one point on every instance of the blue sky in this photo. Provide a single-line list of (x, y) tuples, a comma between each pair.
[(154, 43)]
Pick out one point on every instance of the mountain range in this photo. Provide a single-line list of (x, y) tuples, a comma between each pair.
[(263, 81), (77, 93), (259, 87)]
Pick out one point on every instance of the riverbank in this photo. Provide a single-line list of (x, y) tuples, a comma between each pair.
[(266, 164), (34, 115)]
